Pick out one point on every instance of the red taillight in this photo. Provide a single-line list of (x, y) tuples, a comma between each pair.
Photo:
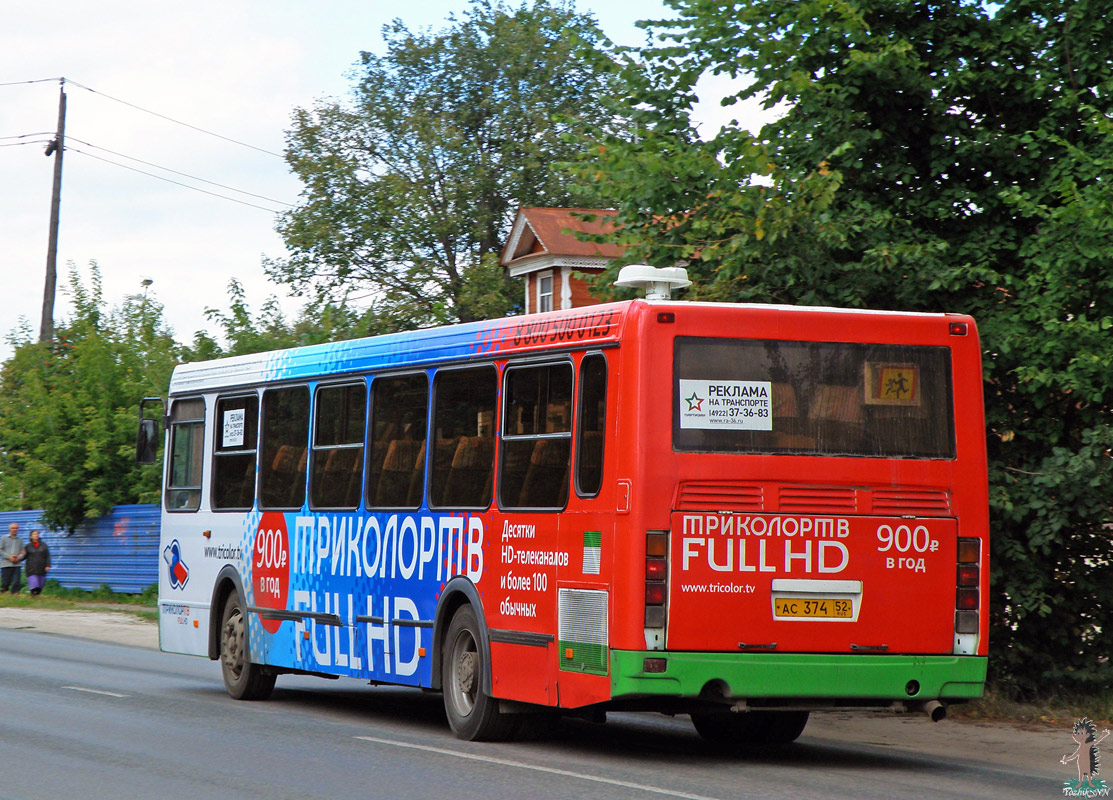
[(656, 588), (966, 599), (967, 592), (655, 593)]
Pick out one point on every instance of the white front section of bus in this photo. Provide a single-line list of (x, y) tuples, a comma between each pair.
[(190, 552)]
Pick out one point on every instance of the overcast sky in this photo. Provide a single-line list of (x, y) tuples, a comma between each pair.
[(236, 68)]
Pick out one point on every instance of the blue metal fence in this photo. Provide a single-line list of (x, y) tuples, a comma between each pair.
[(119, 549)]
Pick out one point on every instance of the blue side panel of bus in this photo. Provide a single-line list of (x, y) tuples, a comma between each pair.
[(380, 574)]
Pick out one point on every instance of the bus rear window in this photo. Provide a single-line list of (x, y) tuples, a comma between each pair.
[(812, 398)]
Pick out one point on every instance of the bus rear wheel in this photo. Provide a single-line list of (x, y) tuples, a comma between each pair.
[(472, 714), (242, 679), (731, 731)]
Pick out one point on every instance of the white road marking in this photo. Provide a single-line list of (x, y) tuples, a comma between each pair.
[(522, 765), (95, 691)]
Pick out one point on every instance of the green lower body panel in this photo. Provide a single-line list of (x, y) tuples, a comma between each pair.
[(799, 675)]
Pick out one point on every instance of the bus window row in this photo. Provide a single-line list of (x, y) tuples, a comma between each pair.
[(356, 443)]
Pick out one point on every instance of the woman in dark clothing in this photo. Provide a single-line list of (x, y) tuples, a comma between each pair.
[(36, 563)]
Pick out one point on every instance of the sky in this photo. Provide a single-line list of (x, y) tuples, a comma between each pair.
[(134, 72)]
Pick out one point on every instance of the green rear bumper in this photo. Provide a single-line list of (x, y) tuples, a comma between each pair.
[(799, 675)]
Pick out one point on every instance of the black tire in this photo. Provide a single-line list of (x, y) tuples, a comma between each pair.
[(785, 727), (731, 731), (473, 715), (242, 679)]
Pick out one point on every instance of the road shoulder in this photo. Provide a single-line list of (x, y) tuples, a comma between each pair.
[(108, 626)]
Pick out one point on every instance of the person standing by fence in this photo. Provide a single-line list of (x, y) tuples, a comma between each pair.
[(11, 553), (36, 558)]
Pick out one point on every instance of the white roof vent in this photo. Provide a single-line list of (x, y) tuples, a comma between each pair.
[(657, 282)]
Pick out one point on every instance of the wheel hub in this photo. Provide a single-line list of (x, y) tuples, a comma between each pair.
[(465, 672), (233, 641)]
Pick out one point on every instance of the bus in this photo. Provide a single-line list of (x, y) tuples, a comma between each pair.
[(739, 512)]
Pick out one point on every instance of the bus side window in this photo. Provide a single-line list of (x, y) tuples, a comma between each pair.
[(396, 464), (285, 438), (336, 466), (464, 437), (536, 437), (187, 447), (237, 427), (591, 423)]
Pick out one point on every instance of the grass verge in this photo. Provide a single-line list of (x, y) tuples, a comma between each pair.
[(1056, 711)]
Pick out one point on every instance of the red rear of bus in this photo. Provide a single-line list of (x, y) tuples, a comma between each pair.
[(809, 488)]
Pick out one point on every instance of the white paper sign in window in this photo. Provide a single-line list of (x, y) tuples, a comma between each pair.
[(233, 428), (726, 405)]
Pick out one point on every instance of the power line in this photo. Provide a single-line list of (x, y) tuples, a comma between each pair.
[(63, 81), (33, 141), (168, 180), (178, 122), (37, 80), (176, 172)]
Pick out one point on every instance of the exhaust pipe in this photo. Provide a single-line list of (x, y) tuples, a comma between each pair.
[(935, 710)]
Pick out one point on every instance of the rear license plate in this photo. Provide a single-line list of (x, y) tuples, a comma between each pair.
[(812, 608)]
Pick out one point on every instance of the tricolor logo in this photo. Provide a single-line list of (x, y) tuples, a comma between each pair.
[(177, 570)]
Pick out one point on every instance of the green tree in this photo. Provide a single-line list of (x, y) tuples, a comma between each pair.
[(323, 319), (953, 156), (414, 182), (69, 408)]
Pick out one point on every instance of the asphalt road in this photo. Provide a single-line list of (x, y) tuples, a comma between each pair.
[(89, 719)]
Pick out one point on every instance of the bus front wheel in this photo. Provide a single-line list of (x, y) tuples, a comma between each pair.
[(242, 679), (472, 714), (730, 730)]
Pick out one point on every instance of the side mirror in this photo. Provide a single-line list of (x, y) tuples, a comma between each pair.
[(146, 442)]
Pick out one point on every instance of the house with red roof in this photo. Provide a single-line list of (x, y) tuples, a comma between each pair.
[(544, 251)]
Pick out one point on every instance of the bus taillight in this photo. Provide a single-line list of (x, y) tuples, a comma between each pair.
[(967, 600), (967, 596), (656, 588)]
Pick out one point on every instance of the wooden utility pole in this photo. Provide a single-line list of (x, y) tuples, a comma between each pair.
[(55, 148)]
